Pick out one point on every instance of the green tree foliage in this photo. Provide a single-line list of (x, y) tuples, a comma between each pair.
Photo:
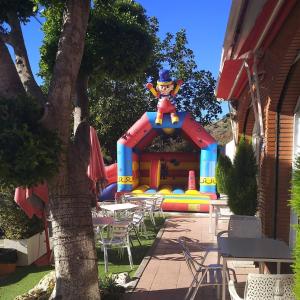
[(295, 202), (13, 221), (242, 186), (197, 94), (223, 168), (128, 100), (115, 107), (118, 42), (29, 153), (24, 10)]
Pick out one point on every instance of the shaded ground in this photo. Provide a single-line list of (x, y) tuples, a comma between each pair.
[(166, 275)]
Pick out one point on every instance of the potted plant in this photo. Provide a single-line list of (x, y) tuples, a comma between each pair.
[(21, 233), (242, 184)]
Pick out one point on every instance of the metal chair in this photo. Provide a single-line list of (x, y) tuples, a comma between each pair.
[(203, 275), (243, 226), (264, 287), (158, 205), (221, 213), (118, 238), (137, 223)]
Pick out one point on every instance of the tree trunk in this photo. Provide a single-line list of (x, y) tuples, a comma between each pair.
[(70, 202), (74, 246), (10, 84), (22, 61), (81, 111)]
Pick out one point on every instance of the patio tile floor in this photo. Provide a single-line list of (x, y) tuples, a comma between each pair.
[(166, 275)]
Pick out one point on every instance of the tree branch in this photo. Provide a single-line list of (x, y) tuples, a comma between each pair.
[(6, 38), (10, 84), (68, 59), (22, 61)]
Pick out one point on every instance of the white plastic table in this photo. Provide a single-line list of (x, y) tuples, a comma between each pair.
[(116, 208), (252, 249), (212, 205)]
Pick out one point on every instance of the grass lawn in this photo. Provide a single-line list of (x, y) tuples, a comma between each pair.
[(26, 278)]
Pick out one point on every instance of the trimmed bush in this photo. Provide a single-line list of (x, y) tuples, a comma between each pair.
[(29, 153), (223, 168), (295, 202), (242, 185), (13, 221)]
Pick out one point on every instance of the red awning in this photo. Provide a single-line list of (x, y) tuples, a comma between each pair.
[(261, 24), (227, 78)]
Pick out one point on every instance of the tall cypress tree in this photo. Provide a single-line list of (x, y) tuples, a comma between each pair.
[(242, 187)]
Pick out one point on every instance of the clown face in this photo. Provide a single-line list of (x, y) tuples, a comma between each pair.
[(165, 89)]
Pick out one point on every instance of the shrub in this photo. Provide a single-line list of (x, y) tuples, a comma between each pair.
[(295, 202), (110, 289), (13, 221), (223, 168), (242, 185)]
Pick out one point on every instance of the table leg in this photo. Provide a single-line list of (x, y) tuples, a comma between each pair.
[(261, 267), (278, 267), (210, 219), (224, 278)]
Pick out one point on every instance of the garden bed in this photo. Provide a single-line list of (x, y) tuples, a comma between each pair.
[(27, 277)]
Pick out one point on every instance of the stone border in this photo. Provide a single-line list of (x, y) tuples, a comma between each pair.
[(141, 268)]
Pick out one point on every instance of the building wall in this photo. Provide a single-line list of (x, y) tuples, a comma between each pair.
[(277, 85)]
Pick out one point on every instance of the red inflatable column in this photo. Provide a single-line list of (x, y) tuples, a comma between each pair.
[(192, 180), (154, 174)]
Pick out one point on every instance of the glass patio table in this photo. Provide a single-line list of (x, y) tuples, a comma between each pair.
[(252, 249)]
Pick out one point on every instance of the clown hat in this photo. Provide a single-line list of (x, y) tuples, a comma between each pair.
[(164, 78)]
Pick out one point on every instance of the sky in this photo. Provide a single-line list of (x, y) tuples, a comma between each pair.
[(205, 23)]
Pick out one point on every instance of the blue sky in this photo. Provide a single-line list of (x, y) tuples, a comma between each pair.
[(204, 21)]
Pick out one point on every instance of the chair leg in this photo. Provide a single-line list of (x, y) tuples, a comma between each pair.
[(143, 227), (198, 285), (130, 240), (105, 259), (216, 222), (151, 215), (162, 213), (130, 257), (137, 235)]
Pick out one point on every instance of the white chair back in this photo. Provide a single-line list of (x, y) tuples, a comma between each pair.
[(269, 286)]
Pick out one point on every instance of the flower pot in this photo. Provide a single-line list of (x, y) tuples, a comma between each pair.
[(8, 259), (28, 250)]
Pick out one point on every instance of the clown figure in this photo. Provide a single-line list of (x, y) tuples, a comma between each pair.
[(166, 93)]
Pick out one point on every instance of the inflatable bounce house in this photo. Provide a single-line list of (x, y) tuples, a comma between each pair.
[(187, 180)]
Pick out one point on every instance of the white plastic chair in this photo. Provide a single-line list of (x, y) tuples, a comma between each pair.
[(203, 275), (265, 287), (119, 238)]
